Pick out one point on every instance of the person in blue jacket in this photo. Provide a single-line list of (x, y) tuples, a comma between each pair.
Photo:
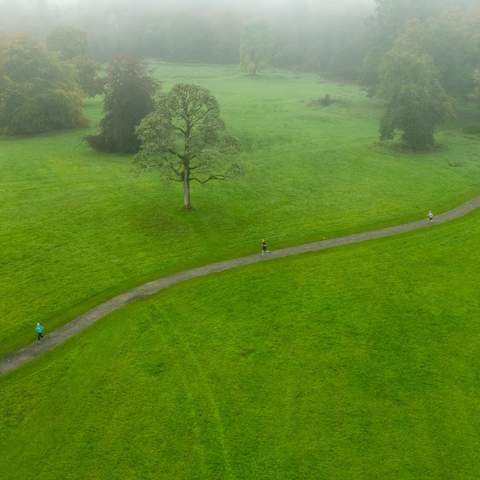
[(39, 330)]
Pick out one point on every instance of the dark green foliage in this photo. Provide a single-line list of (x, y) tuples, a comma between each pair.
[(326, 101), (38, 92), (183, 136), (416, 103), (88, 76), (69, 42), (128, 99)]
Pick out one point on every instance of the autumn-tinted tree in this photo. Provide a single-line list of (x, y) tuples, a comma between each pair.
[(38, 92), (184, 137), (69, 42), (416, 102), (129, 94), (255, 49)]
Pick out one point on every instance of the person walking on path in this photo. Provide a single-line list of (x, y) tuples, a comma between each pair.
[(430, 216), (39, 330), (264, 248)]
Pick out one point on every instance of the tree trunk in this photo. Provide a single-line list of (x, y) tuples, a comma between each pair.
[(186, 189)]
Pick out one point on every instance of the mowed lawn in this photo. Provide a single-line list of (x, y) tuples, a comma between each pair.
[(356, 363), (78, 227)]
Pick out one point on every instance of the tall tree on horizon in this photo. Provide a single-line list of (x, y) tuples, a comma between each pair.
[(256, 48)]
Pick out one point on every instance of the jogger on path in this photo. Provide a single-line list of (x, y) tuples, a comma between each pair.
[(264, 247), (39, 330)]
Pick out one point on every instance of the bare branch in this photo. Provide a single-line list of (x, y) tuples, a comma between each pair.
[(208, 179)]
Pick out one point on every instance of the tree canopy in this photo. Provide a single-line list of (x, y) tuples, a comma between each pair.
[(88, 76), (38, 92), (128, 99), (416, 102), (72, 46), (185, 137)]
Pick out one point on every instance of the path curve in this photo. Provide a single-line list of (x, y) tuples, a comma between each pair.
[(20, 357)]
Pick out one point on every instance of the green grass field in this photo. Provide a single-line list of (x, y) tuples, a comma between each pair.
[(78, 227), (356, 363)]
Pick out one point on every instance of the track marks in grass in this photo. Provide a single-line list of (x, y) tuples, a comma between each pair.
[(201, 400)]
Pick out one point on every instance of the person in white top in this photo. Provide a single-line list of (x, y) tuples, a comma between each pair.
[(430, 216), (264, 248)]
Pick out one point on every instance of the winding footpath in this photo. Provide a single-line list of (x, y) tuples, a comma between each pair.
[(16, 359)]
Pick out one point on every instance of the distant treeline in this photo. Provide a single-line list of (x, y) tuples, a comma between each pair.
[(305, 34), (345, 41)]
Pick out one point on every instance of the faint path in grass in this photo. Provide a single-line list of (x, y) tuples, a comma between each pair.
[(24, 355)]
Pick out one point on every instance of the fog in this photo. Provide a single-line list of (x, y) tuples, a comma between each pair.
[(303, 31), (14, 12)]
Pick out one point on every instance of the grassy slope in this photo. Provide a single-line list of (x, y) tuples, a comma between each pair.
[(78, 227), (358, 363)]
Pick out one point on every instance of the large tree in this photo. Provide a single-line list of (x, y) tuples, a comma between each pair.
[(128, 99), (416, 102), (38, 92), (255, 49), (185, 137)]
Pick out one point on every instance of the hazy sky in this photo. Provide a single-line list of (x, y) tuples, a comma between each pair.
[(331, 4)]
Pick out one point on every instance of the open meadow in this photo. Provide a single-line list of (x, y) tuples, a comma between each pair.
[(79, 226), (358, 363), (239, 240)]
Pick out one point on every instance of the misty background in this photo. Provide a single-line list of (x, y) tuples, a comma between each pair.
[(308, 34)]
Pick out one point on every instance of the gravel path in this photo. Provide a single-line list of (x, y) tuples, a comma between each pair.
[(16, 359)]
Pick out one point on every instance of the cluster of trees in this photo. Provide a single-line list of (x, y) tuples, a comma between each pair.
[(38, 92), (422, 57), (42, 85), (180, 132)]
